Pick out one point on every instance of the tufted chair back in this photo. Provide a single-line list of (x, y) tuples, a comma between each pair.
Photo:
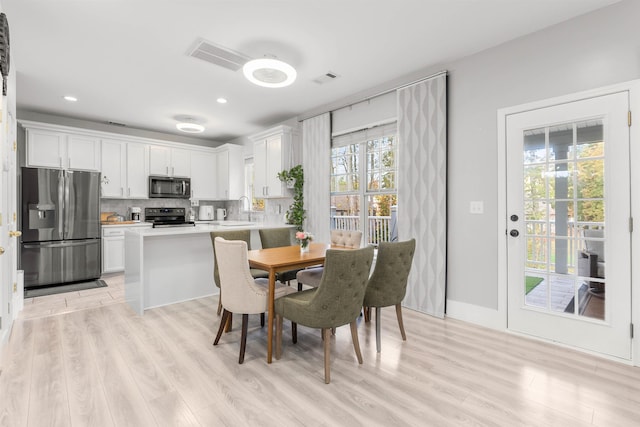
[(338, 299), (348, 238), (388, 283), (275, 237)]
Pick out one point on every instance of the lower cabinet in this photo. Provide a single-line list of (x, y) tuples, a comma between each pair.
[(113, 247)]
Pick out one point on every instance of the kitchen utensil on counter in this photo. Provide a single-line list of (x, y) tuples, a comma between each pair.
[(134, 214), (205, 213), (115, 218), (105, 215), (221, 214)]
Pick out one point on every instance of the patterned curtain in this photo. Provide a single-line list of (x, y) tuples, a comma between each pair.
[(316, 155), (422, 190)]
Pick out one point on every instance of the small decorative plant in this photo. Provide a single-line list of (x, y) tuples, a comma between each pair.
[(296, 213), (304, 238)]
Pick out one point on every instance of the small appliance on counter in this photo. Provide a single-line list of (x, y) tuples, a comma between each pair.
[(221, 214), (134, 214), (167, 217), (205, 213)]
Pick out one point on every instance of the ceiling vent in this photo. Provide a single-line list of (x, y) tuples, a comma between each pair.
[(218, 55), (325, 78)]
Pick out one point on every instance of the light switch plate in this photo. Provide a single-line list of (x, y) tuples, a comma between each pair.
[(476, 207)]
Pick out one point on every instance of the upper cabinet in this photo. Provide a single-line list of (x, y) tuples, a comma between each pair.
[(59, 150), (203, 175), (125, 169), (167, 161), (273, 152), (229, 172), (219, 175)]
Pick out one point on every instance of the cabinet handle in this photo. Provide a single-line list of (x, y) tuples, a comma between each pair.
[(267, 187), (129, 191), (69, 162), (167, 170), (172, 171), (121, 191), (60, 160)]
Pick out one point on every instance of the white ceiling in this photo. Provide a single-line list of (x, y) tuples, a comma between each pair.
[(126, 60)]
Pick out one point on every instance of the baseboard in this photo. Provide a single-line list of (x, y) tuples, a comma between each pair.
[(475, 314)]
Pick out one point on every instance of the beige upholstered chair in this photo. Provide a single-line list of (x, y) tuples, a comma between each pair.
[(348, 238), (277, 238), (244, 235), (388, 282), (335, 302), (240, 292)]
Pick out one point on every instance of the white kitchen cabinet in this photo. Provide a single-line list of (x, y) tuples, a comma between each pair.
[(124, 169), (113, 246), (229, 172), (167, 161), (203, 175), (273, 152), (60, 150)]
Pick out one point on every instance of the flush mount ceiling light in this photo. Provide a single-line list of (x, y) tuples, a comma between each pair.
[(190, 127), (221, 100), (70, 98), (269, 72)]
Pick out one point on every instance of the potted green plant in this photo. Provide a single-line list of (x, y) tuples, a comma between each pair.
[(296, 213)]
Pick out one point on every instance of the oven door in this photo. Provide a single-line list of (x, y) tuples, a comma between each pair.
[(174, 188)]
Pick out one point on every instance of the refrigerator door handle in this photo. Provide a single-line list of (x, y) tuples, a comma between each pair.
[(60, 207), (67, 210)]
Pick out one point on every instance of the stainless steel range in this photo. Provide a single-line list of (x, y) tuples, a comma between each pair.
[(167, 217)]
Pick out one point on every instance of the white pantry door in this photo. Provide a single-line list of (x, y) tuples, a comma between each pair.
[(568, 216)]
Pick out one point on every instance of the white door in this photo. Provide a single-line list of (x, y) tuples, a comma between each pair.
[(568, 215)]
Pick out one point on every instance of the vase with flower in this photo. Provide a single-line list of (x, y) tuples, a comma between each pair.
[(304, 238)]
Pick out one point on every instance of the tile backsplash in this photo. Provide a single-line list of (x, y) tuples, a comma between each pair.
[(274, 212)]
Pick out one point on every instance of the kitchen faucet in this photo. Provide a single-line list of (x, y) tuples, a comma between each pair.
[(249, 203)]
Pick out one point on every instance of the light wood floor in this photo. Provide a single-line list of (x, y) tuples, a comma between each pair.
[(101, 365)]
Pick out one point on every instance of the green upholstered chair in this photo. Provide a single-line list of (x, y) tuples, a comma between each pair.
[(347, 238), (244, 235), (388, 282), (239, 291), (335, 302), (277, 238)]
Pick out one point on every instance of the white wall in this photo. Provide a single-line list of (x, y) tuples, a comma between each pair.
[(590, 51)]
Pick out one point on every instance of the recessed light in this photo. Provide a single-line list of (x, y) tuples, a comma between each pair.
[(70, 98), (190, 127), (269, 72), (221, 100)]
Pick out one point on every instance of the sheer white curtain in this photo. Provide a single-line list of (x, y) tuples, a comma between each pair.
[(316, 155), (422, 190)]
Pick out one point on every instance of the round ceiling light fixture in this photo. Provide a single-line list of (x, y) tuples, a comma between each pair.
[(190, 127), (70, 98), (269, 72)]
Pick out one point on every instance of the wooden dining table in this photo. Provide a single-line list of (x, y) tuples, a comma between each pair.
[(285, 258)]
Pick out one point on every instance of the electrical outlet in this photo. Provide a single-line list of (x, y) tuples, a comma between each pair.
[(476, 207), (195, 203)]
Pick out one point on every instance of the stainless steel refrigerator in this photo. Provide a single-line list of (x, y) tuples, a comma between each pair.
[(60, 226)]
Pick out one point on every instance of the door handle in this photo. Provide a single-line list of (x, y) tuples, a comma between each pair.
[(15, 233), (1, 250), (514, 233)]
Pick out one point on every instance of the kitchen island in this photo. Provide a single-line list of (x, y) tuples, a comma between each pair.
[(170, 265)]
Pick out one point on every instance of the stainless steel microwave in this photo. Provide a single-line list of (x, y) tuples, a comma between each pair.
[(169, 188)]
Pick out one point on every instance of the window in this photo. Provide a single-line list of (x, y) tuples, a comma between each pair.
[(364, 183)]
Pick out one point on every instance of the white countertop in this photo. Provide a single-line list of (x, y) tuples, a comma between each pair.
[(206, 228), (120, 224)]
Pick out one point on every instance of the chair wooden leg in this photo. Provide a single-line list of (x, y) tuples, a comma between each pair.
[(294, 332), (327, 355), (223, 322), (278, 336), (378, 312), (367, 314), (299, 286), (262, 320), (219, 304), (243, 337), (356, 342), (400, 323), (229, 323)]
